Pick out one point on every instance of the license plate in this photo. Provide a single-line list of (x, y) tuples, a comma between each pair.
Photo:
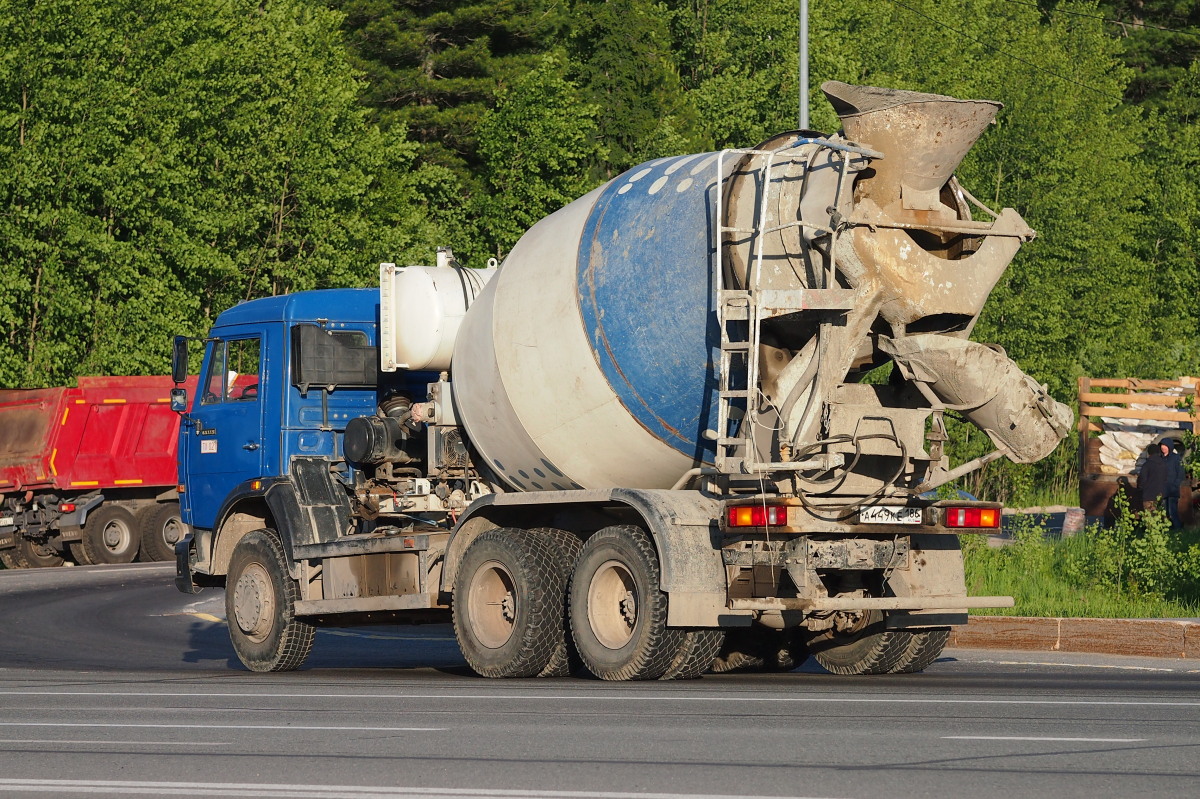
[(888, 514), (6, 521)]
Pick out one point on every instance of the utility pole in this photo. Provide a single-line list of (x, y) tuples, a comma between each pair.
[(803, 64)]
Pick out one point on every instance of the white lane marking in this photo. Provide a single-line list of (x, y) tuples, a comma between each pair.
[(93, 742), (128, 787), (216, 726), (630, 697), (1032, 738)]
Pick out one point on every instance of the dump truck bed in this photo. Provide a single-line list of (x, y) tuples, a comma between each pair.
[(109, 432)]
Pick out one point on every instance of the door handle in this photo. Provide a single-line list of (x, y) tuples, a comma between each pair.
[(251, 445)]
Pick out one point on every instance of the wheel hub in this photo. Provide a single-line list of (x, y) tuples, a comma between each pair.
[(492, 604), (114, 535), (171, 531), (613, 604), (254, 602)]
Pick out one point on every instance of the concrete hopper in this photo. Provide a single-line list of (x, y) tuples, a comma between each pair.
[(924, 138)]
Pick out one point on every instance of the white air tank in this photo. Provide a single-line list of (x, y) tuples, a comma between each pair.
[(420, 310)]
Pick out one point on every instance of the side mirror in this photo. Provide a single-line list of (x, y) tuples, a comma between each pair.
[(179, 400), (179, 362)]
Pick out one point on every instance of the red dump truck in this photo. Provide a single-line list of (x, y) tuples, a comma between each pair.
[(88, 474)]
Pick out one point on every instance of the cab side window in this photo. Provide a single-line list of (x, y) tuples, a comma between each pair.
[(214, 379), (232, 374), (241, 383)]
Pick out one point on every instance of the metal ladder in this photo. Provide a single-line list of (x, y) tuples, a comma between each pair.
[(741, 312)]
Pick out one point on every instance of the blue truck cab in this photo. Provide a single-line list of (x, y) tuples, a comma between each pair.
[(261, 442)]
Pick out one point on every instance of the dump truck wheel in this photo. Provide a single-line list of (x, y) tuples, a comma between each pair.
[(9, 558), (868, 649), (565, 659), (110, 536), (260, 602), (507, 603), (161, 527), (618, 611), (77, 553), (923, 649), (34, 555), (696, 655)]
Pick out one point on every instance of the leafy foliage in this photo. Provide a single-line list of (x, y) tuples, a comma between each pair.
[(1137, 567), (162, 163), (536, 146)]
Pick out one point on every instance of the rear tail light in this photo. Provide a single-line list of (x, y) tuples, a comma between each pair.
[(67, 507), (973, 517), (757, 516)]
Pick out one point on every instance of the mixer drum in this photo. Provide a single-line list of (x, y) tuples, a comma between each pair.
[(589, 361)]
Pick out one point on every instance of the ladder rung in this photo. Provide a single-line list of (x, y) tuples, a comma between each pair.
[(735, 346), (739, 393)]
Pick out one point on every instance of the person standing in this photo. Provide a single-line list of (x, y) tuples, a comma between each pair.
[(1160, 478), (1174, 481)]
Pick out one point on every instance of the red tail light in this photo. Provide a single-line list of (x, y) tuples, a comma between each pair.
[(973, 517), (67, 507), (757, 516)]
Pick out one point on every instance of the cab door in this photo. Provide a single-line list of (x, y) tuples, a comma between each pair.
[(225, 439)]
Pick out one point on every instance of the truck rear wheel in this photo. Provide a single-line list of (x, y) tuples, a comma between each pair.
[(110, 536), (9, 558), (760, 649), (260, 602), (869, 648), (36, 555), (161, 527), (924, 647), (565, 659), (618, 610), (508, 602), (696, 656)]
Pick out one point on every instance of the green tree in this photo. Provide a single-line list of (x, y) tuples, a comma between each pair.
[(436, 66), (623, 60), (1160, 41), (162, 162), (536, 146)]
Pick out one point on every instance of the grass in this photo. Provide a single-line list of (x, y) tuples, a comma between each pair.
[(1136, 569)]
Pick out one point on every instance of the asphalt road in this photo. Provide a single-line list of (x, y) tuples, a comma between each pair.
[(114, 684)]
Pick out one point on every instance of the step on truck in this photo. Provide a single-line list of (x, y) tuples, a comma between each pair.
[(659, 438), (88, 473)]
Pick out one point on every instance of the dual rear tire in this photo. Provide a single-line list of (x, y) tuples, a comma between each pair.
[(531, 601), (873, 649)]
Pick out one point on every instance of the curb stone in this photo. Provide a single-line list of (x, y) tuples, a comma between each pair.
[(1163, 638)]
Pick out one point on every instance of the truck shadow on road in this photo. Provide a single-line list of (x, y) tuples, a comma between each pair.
[(374, 647)]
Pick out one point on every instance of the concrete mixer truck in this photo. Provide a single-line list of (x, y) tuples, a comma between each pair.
[(643, 445)]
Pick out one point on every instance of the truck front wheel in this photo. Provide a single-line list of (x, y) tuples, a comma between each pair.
[(618, 610), (260, 600), (508, 603), (109, 536)]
